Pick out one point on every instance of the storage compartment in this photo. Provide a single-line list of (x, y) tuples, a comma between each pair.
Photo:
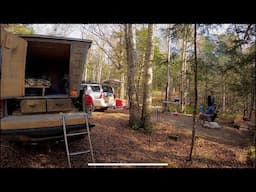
[(47, 61), (59, 105), (33, 106)]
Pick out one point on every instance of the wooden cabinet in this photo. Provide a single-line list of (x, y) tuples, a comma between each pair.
[(33, 106), (59, 105), (45, 105)]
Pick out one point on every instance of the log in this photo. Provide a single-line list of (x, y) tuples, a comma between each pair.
[(173, 137)]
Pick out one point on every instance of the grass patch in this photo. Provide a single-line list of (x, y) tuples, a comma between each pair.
[(222, 115), (188, 110)]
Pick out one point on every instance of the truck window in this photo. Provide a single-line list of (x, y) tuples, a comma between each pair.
[(95, 88), (107, 89)]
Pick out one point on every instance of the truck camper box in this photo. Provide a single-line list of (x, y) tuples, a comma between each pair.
[(40, 79)]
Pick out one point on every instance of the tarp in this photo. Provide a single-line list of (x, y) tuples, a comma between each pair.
[(112, 81)]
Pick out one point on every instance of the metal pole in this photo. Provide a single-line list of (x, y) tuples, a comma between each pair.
[(89, 136), (85, 108), (65, 139)]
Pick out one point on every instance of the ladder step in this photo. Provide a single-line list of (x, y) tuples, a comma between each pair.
[(79, 153), (80, 133), (76, 115)]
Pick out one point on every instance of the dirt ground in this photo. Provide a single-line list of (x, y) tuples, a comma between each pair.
[(114, 142)]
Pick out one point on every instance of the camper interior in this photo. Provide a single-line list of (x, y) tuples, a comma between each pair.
[(47, 61)]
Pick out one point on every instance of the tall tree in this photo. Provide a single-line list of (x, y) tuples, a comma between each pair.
[(180, 36), (110, 39), (195, 99), (134, 118), (184, 32), (147, 81), (168, 82)]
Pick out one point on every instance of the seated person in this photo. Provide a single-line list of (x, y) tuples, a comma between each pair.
[(211, 111), (61, 87)]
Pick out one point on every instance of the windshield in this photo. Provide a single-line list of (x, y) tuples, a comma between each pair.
[(95, 88), (107, 89)]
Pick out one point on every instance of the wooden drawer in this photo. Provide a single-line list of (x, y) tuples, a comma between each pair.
[(33, 106), (59, 105)]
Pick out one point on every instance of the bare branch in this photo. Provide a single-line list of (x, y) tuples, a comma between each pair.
[(246, 34)]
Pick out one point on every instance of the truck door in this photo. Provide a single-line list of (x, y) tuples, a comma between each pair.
[(13, 51), (77, 59)]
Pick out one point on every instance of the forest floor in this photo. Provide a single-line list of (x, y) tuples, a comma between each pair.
[(114, 142)]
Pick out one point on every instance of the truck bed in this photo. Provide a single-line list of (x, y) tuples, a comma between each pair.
[(39, 121)]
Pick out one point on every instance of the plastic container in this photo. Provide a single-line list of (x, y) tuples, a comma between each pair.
[(119, 103)]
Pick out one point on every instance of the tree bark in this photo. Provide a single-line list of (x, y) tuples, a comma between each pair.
[(181, 76), (97, 68), (206, 84), (99, 71), (189, 89), (85, 71), (223, 93), (195, 104), (147, 81), (134, 119), (122, 87), (184, 75), (252, 104), (167, 88), (139, 77)]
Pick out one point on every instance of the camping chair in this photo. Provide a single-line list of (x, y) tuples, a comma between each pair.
[(210, 117)]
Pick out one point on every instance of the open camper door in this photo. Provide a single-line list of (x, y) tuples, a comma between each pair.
[(78, 55), (12, 68)]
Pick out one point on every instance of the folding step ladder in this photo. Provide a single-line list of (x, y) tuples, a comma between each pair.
[(81, 132)]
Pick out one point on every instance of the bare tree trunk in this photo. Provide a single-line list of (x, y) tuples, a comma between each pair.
[(184, 75), (99, 66), (109, 70), (223, 94), (94, 73), (140, 74), (252, 104), (187, 80), (195, 104), (189, 88), (122, 75), (134, 119), (99, 72), (85, 71), (181, 76), (186, 93), (167, 92), (206, 85), (122, 87), (147, 81)]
